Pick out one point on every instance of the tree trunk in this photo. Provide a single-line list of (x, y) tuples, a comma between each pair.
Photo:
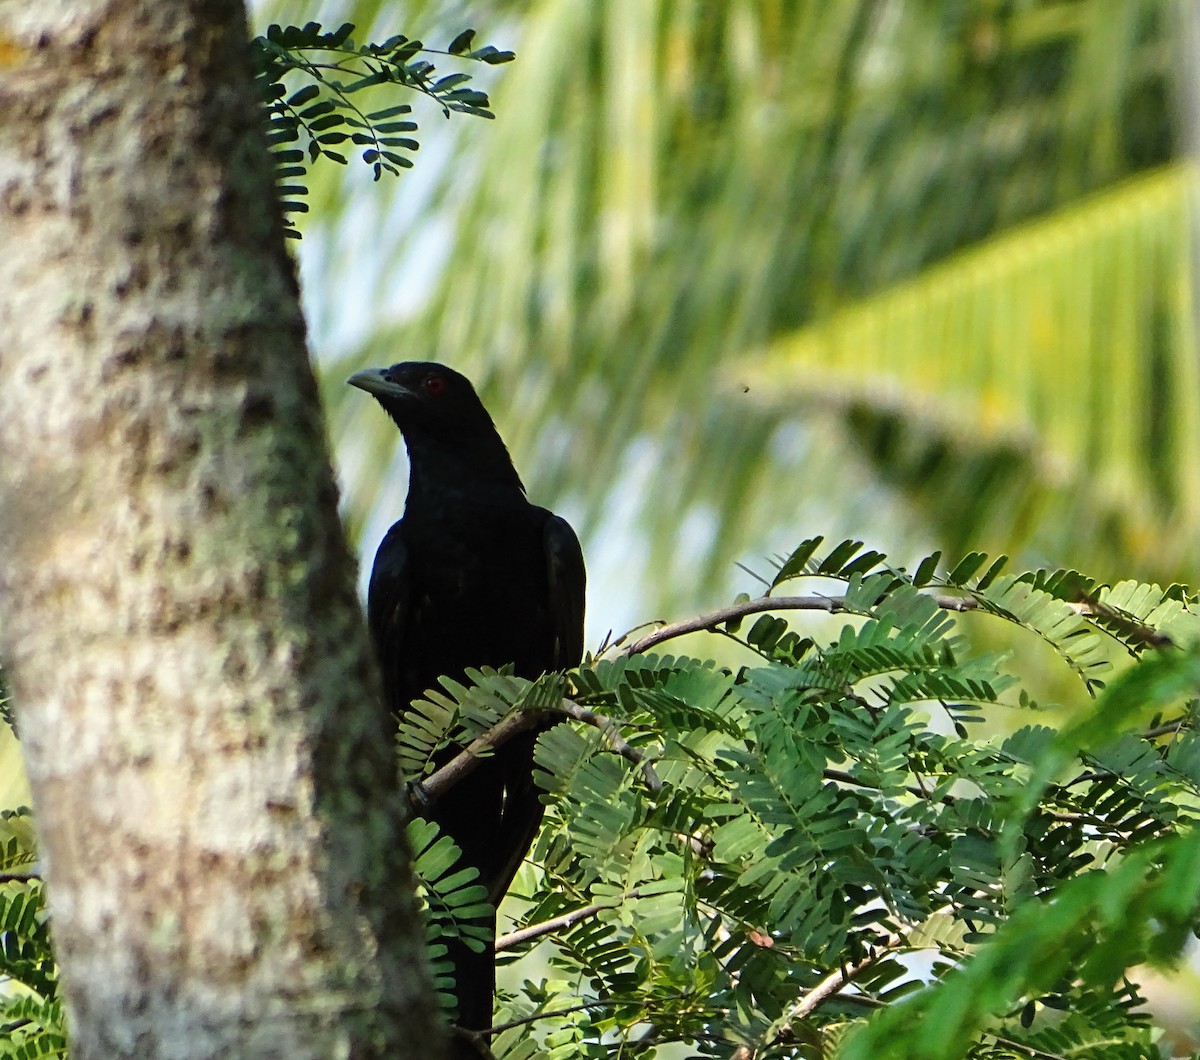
[(214, 785)]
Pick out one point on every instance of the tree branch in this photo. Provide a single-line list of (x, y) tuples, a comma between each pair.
[(712, 619), (548, 927), (552, 1014), (615, 740), (1166, 729), (831, 604), (423, 795), (841, 777), (835, 982), (829, 987)]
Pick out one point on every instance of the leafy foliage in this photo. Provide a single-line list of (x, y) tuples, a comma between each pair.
[(761, 858), (333, 69), (454, 902), (880, 819), (31, 1018), (874, 843)]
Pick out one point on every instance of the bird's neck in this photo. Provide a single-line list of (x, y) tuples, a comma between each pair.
[(444, 477)]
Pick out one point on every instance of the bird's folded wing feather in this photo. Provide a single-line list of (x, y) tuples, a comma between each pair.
[(568, 582), (387, 606)]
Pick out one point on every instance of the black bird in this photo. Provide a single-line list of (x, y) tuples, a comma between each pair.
[(472, 575)]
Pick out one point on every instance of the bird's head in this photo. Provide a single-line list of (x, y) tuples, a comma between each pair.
[(423, 396), (439, 414)]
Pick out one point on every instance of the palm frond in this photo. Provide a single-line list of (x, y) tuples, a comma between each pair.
[(1068, 343)]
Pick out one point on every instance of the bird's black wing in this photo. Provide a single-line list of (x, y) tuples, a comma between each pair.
[(522, 809), (568, 584), (387, 613)]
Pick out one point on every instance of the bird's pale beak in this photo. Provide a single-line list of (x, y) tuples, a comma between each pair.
[(375, 381)]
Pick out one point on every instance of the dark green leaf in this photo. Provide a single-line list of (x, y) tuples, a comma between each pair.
[(444, 84), (330, 121), (966, 567), (317, 110), (389, 112), (339, 36), (926, 570), (303, 95), (991, 573), (492, 56), (462, 42), (406, 51)]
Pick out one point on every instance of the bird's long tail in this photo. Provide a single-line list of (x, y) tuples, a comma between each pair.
[(475, 990)]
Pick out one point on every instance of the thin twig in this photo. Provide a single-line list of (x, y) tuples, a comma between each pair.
[(467, 760), (548, 927), (1021, 1047), (615, 740), (712, 619), (554, 1013), (1138, 630), (841, 777), (835, 982), (1166, 728)]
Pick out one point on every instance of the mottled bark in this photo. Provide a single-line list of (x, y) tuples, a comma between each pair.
[(214, 791)]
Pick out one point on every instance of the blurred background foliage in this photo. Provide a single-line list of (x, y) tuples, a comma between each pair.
[(729, 274)]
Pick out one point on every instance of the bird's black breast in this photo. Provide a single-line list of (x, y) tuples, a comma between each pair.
[(483, 588)]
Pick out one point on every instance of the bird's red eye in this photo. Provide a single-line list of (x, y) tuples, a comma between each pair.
[(435, 385)]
